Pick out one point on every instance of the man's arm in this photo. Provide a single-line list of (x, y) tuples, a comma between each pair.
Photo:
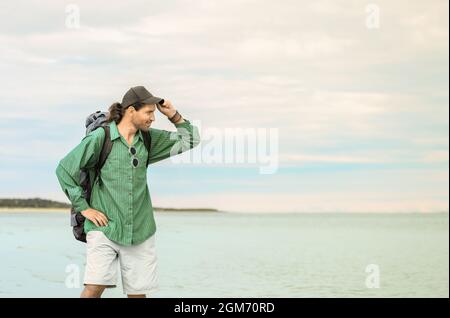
[(83, 156), (169, 143)]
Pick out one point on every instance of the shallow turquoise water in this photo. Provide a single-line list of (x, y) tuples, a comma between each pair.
[(245, 255)]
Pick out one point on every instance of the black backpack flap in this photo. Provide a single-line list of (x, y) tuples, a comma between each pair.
[(77, 223)]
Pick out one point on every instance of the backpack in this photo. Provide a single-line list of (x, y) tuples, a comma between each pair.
[(88, 177)]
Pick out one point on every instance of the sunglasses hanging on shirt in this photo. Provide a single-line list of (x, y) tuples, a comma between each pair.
[(134, 159)]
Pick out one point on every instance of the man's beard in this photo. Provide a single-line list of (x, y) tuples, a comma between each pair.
[(145, 127)]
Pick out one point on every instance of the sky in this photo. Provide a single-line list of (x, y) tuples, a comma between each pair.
[(348, 100)]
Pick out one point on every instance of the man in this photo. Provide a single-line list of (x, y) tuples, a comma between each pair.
[(120, 225)]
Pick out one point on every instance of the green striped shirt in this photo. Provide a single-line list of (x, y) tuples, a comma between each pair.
[(123, 195)]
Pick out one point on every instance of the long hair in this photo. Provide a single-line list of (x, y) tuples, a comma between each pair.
[(116, 111)]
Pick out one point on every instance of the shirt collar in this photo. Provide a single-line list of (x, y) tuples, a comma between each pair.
[(114, 131)]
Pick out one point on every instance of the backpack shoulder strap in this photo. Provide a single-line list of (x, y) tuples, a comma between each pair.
[(106, 149), (148, 143)]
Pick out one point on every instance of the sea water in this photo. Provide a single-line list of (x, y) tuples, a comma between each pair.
[(217, 254)]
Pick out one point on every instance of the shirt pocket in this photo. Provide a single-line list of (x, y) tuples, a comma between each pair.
[(115, 167)]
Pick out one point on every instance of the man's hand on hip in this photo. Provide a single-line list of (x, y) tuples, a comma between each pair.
[(97, 217)]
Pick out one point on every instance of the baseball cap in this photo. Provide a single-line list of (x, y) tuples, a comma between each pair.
[(139, 94)]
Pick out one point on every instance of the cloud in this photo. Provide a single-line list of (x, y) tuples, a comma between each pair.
[(436, 156), (337, 91)]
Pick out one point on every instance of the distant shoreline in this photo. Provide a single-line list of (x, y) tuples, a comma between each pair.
[(44, 205), (4, 209)]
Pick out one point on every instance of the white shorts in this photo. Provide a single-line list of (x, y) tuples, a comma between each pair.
[(137, 264)]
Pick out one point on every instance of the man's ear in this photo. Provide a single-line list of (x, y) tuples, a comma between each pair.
[(131, 109)]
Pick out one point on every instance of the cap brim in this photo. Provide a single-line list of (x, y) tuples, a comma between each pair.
[(152, 100)]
